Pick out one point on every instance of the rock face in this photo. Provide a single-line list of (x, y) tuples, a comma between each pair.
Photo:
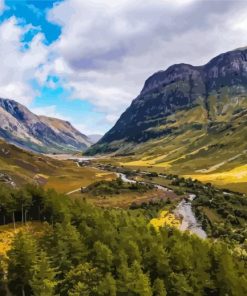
[(218, 90), (20, 126)]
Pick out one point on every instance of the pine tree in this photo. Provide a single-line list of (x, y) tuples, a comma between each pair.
[(229, 281), (103, 256), (84, 279), (132, 281), (43, 280), (79, 289), (22, 258), (159, 288), (107, 286)]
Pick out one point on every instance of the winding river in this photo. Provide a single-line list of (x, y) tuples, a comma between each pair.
[(189, 222), (183, 209)]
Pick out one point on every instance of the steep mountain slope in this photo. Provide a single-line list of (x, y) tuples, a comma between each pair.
[(187, 119), (20, 126)]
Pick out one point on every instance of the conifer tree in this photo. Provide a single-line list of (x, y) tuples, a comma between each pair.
[(22, 258), (43, 279), (139, 282), (159, 288), (103, 256), (107, 286)]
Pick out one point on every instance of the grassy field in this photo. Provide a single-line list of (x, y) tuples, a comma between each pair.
[(235, 179), (61, 175), (227, 175), (124, 200), (71, 177)]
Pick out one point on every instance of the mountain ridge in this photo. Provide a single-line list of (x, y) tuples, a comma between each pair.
[(187, 120), (19, 126), (197, 84)]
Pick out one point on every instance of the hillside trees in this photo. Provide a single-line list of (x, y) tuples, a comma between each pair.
[(85, 250)]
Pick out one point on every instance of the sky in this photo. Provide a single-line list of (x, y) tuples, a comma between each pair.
[(85, 60)]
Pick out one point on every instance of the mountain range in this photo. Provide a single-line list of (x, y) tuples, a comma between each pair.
[(21, 127), (188, 119)]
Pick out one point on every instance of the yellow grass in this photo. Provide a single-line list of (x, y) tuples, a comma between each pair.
[(155, 162), (236, 175), (165, 219), (72, 177), (7, 233)]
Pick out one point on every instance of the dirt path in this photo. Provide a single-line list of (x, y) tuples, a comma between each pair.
[(73, 191)]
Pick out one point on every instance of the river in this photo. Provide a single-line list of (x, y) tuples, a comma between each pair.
[(183, 209), (189, 221)]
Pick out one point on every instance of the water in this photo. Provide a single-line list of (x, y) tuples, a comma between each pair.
[(189, 221), (184, 208)]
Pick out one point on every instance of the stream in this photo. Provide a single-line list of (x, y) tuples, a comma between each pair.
[(183, 209), (189, 222)]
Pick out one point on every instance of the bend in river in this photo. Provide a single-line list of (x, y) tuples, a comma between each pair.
[(183, 209)]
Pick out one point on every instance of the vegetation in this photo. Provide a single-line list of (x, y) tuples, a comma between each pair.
[(222, 213), (85, 250), (116, 187), (23, 167)]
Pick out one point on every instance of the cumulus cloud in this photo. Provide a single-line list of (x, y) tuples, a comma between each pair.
[(20, 62), (108, 48), (50, 111)]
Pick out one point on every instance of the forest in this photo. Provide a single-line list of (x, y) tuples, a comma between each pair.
[(86, 250)]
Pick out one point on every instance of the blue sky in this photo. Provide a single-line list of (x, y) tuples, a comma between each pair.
[(86, 60), (52, 101)]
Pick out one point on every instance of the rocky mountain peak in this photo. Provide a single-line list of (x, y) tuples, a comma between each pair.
[(20, 126)]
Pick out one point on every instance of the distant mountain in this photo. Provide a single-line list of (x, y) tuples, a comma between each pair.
[(20, 126), (94, 138), (186, 118)]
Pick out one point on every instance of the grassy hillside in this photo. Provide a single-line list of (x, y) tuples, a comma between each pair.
[(188, 120), (216, 154), (25, 167)]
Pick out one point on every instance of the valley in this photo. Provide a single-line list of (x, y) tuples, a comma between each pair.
[(123, 148), (165, 187), (109, 210)]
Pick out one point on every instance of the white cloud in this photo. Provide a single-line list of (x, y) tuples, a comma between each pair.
[(20, 65), (50, 111), (108, 48)]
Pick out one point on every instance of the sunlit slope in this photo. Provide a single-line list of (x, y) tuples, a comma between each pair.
[(20, 167), (211, 154)]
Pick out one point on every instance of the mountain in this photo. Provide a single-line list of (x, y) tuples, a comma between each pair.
[(186, 119), (20, 126), (94, 138)]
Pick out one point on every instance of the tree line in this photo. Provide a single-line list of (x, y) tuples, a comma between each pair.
[(85, 250)]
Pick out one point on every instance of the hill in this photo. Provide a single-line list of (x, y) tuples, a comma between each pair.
[(20, 126), (19, 167), (188, 120)]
